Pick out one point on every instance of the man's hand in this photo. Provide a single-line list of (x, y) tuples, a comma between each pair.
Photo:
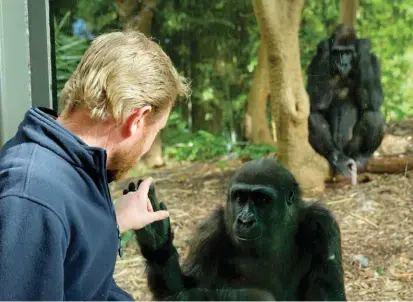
[(134, 210), (154, 235)]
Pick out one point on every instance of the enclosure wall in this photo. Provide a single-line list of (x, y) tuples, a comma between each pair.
[(25, 61)]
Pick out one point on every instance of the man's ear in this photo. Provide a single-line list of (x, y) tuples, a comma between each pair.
[(135, 122)]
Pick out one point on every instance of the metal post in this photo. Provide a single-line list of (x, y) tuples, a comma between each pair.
[(15, 66), (40, 61), (25, 61)]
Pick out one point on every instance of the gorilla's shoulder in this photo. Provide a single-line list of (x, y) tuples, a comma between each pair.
[(318, 229)]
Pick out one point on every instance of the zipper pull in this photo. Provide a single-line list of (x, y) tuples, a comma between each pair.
[(120, 250)]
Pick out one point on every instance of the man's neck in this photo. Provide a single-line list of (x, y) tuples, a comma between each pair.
[(92, 133)]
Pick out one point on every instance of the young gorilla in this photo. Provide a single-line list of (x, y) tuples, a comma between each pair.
[(265, 244), (344, 85)]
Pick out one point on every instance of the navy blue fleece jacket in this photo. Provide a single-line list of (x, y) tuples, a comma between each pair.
[(58, 231)]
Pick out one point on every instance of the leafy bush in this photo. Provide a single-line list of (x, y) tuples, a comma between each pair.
[(202, 146), (255, 151), (69, 51)]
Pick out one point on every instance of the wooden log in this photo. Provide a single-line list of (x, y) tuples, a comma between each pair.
[(390, 164), (339, 181)]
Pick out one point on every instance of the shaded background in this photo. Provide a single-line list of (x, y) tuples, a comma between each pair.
[(215, 43)]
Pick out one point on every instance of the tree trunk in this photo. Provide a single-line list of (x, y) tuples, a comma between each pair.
[(348, 11), (137, 15), (206, 117), (279, 24), (256, 130)]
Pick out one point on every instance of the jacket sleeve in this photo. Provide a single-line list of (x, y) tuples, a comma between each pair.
[(33, 242), (118, 294)]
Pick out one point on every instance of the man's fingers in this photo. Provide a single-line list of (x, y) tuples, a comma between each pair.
[(159, 215), (144, 187)]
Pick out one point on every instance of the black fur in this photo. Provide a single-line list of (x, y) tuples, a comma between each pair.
[(296, 257), (345, 121)]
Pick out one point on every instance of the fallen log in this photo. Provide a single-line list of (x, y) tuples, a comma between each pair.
[(391, 164), (339, 181)]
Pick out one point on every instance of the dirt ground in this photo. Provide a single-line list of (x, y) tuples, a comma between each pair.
[(376, 221)]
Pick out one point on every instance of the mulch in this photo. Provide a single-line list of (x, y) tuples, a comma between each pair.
[(375, 217)]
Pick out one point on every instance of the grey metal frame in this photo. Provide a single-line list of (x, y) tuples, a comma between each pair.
[(25, 61)]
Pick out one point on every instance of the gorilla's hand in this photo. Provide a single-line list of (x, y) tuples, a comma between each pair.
[(343, 165), (154, 236)]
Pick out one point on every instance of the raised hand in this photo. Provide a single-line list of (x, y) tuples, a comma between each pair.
[(154, 235), (134, 209)]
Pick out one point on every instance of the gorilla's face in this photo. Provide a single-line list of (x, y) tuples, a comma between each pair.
[(343, 59), (261, 203), (249, 208)]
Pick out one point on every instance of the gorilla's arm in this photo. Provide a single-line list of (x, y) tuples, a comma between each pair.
[(318, 77), (319, 239), (320, 92), (199, 276), (369, 91), (165, 276)]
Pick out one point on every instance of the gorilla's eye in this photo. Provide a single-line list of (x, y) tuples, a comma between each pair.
[(239, 197), (265, 200), (262, 199)]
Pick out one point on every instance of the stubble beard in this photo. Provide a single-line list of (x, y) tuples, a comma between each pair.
[(123, 161)]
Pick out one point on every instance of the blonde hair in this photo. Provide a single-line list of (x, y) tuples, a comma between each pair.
[(122, 71)]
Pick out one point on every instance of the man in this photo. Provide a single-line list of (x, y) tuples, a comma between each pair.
[(59, 234)]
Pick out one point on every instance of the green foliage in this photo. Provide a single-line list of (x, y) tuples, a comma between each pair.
[(126, 237), (69, 51), (215, 44), (177, 130), (202, 146), (389, 25), (101, 15), (255, 151), (216, 60)]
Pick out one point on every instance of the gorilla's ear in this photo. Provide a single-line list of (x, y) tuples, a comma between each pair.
[(291, 197), (363, 46), (323, 50), (323, 47)]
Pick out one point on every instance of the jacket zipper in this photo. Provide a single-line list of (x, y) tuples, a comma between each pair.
[(109, 200)]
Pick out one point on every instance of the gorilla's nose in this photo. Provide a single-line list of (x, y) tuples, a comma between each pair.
[(247, 221)]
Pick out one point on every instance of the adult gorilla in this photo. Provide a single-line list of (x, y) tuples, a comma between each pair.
[(344, 85), (265, 244)]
